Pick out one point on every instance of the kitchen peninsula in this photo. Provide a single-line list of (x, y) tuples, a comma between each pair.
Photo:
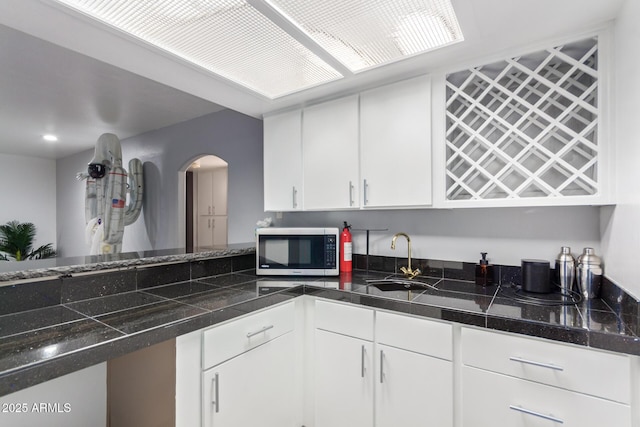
[(107, 314)]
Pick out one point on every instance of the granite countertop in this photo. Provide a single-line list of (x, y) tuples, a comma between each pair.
[(44, 343), (31, 269)]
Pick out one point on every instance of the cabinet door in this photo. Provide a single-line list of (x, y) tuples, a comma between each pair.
[(205, 193), (253, 389), (395, 144), (219, 191), (205, 231), (344, 381), (283, 161), (412, 389), (330, 154), (219, 231)]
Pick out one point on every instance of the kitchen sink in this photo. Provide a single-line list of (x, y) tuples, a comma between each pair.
[(399, 284)]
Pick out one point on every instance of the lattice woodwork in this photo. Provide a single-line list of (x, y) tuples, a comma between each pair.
[(525, 127)]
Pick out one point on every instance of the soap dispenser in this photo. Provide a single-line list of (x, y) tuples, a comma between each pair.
[(484, 271)]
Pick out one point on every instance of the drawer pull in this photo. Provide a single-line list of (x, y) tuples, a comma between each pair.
[(536, 414), (264, 329), (534, 363), (381, 366)]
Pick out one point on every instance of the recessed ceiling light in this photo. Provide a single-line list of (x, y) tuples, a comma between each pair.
[(50, 138)]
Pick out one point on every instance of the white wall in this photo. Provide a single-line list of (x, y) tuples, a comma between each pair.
[(29, 194), (232, 136), (620, 226), (507, 234)]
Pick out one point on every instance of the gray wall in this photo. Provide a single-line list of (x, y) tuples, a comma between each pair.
[(234, 137), (507, 234)]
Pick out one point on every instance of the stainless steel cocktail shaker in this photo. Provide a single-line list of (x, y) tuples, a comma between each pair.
[(589, 274), (565, 269)]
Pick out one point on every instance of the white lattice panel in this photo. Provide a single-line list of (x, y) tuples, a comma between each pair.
[(525, 127)]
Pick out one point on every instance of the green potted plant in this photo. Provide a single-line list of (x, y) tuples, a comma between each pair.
[(16, 242)]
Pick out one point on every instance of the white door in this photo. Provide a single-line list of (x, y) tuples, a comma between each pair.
[(395, 144), (253, 389), (343, 381), (330, 154), (412, 390), (219, 191), (283, 161)]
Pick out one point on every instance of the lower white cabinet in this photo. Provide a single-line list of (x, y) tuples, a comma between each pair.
[(490, 399), (412, 389), (253, 389), (343, 381), (401, 378), (517, 381)]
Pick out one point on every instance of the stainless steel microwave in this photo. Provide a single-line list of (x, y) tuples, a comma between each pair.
[(297, 251)]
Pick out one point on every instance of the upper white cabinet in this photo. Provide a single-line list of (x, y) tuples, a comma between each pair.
[(212, 192), (371, 150), (528, 130), (395, 144), (283, 161), (330, 154)]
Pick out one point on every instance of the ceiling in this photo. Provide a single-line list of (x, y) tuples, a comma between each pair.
[(63, 73)]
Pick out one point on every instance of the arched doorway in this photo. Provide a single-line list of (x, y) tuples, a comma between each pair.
[(206, 203)]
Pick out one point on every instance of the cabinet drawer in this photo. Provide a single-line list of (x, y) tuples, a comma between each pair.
[(491, 399), (409, 333), (345, 319), (597, 373), (223, 342)]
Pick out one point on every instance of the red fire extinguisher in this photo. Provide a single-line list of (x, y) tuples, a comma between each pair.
[(346, 249)]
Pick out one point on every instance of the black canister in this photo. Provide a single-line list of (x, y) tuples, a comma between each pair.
[(535, 276)]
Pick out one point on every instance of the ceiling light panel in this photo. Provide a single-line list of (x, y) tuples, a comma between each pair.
[(227, 37), (366, 33)]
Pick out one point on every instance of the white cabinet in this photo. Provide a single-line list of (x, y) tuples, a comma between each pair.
[(344, 381), (212, 207), (371, 150), (330, 154), (249, 370), (534, 383), (212, 230), (491, 399), (412, 389), (399, 379), (283, 161), (212, 191), (395, 144), (253, 389)]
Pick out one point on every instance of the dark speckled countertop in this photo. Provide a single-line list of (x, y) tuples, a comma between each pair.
[(132, 310)]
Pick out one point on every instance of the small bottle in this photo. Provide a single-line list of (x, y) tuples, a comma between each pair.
[(484, 271)]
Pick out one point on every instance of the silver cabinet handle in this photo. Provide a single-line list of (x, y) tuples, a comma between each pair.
[(536, 414), (362, 354), (264, 329), (209, 209), (381, 366), (350, 193), (209, 223), (365, 190), (534, 363), (295, 197), (215, 401)]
